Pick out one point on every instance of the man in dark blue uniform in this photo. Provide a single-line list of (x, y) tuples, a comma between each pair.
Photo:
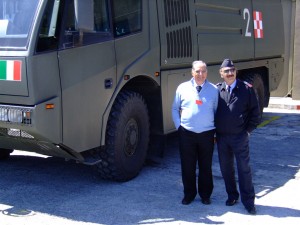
[(237, 116)]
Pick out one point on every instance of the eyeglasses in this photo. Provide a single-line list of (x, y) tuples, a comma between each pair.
[(232, 70), (200, 71)]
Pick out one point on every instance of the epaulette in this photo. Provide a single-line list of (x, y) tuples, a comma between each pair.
[(219, 84), (248, 84)]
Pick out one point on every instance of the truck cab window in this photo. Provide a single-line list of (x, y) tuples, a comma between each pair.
[(86, 22), (16, 17), (20, 17), (48, 31), (127, 17)]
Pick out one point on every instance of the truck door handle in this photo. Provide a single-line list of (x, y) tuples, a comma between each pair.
[(108, 83)]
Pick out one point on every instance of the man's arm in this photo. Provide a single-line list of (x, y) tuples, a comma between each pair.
[(254, 113), (176, 107)]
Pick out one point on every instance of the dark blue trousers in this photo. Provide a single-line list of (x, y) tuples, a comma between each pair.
[(236, 146), (196, 148)]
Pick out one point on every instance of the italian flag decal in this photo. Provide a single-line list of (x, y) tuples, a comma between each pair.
[(10, 70)]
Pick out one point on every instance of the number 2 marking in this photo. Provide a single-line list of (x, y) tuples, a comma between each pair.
[(246, 14)]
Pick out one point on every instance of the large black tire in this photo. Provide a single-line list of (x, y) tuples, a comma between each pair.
[(127, 138), (5, 153)]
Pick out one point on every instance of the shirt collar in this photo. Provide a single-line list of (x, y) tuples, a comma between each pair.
[(232, 85), (195, 84)]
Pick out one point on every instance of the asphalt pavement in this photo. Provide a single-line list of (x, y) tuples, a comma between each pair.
[(36, 189)]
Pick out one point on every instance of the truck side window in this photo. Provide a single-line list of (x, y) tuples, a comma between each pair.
[(127, 17), (86, 23), (49, 28)]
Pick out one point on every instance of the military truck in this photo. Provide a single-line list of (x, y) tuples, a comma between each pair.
[(94, 80)]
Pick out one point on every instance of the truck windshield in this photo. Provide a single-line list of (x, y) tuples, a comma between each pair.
[(16, 17)]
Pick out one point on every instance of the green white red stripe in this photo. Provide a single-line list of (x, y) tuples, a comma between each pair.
[(10, 70)]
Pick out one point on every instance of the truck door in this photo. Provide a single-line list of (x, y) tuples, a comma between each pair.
[(131, 32), (87, 70)]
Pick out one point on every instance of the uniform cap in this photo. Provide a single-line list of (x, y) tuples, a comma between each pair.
[(227, 63)]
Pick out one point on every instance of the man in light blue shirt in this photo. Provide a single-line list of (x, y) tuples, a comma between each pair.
[(193, 112)]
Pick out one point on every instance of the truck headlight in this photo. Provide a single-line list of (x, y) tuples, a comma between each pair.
[(11, 114), (15, 116)]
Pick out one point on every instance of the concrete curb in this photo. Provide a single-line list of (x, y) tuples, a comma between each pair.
[(284, 103)]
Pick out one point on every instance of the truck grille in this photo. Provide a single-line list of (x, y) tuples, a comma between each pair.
[(17, 133), (176, 12), (179, 43), (178, 30)]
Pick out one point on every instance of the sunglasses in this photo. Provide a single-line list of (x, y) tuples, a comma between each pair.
[(232, 70)]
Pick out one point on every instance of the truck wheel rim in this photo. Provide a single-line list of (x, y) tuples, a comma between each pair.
[(131, 137)]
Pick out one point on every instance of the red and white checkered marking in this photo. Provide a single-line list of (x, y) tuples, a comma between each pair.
[(258, 24)]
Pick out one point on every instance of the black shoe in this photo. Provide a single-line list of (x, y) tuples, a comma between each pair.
[(230, 202), (206, 201), (251, 210), (186, 200)]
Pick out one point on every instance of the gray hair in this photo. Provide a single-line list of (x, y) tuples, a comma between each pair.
[(198, 62)]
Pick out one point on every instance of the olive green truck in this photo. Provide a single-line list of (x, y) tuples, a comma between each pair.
[(94, 80)]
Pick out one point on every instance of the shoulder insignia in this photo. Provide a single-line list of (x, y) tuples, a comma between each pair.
[(248, 84), (219, 84)]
